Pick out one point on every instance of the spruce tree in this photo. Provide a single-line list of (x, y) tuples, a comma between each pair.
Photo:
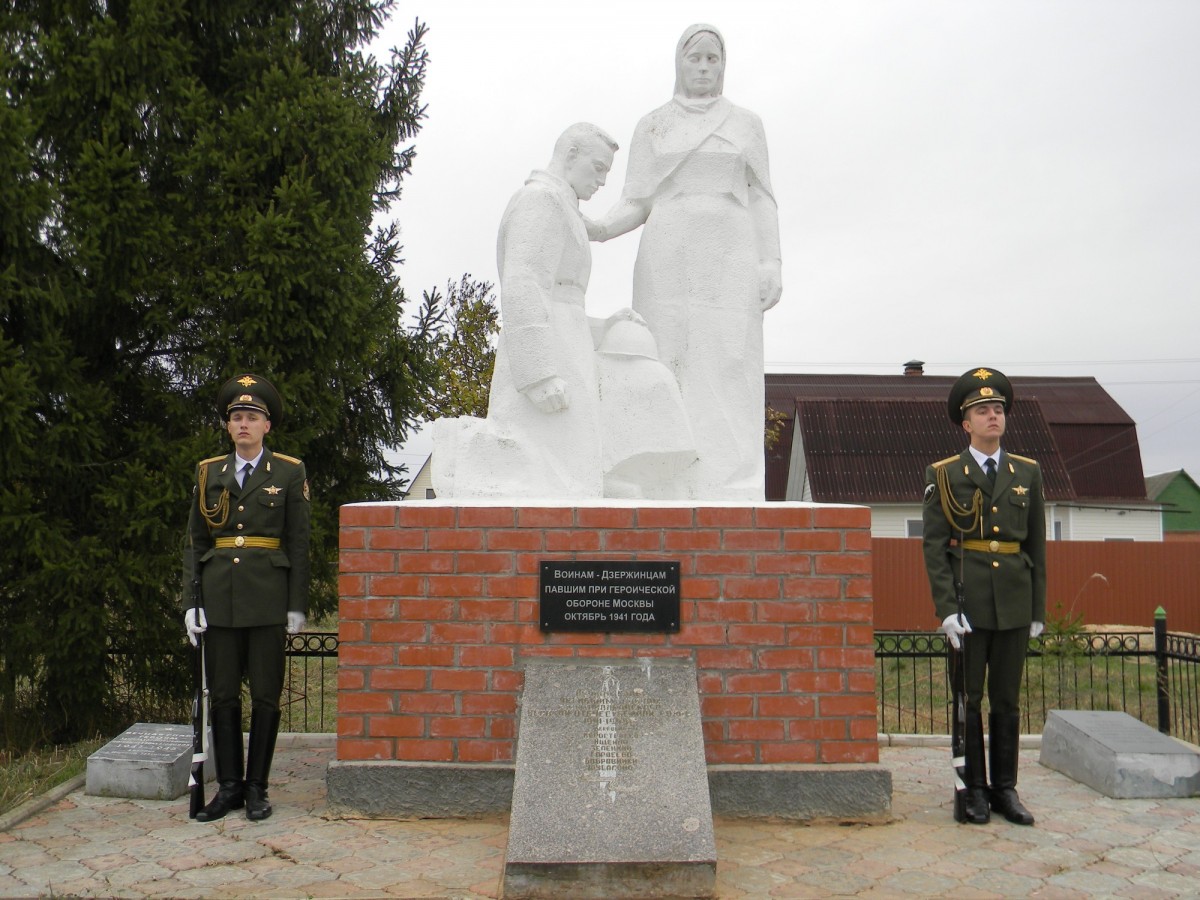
[(188, 190)]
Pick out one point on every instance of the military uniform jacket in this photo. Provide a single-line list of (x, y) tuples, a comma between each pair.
[(250, 543), (1002, 590)]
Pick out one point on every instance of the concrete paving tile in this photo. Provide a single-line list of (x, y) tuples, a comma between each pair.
[(345, 864), (1094, 884), (129, 877), (756, 882), (108, 862), (182, 862), (50, 873), (1170, 882), (213, 878), (1001, 883), (919, 883), (1141, 858), (334, 890), (232, 852)]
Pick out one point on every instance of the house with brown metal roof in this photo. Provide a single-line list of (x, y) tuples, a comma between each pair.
[(866, 439)]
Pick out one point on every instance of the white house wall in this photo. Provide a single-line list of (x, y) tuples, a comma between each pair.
[(1099, 524), (1077, 524)]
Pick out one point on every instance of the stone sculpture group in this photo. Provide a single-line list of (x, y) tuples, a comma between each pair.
[(663, 400)]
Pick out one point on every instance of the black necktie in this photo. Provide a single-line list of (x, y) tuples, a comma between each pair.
[(989, 466), (247, 469)]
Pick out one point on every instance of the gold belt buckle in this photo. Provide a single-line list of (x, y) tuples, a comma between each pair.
[(993, 546), (240, 541)]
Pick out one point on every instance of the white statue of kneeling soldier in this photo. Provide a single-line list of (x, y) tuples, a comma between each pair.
[(579, 407)]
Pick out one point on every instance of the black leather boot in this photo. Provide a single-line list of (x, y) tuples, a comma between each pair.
[(975, 804), (1005, 733), (227, 751), (264, 727)]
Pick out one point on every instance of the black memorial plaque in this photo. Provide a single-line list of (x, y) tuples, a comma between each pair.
[(606, 595)]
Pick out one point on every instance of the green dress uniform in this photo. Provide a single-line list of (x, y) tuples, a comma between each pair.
[(247, 545), (251, 542), (991, 538)]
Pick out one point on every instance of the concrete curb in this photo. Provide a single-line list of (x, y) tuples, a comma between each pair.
[(1027, 741), (35, 805)]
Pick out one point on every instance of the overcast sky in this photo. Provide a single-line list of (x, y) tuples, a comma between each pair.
[(1013, 183)]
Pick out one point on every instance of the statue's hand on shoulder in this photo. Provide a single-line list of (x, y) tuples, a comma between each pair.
[(770, 283), (595, 230), (549, 395)]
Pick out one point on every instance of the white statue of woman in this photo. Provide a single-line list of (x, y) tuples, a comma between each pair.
[(708, 264)]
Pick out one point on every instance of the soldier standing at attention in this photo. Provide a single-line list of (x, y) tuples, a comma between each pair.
[(247, 545), (985, 527)]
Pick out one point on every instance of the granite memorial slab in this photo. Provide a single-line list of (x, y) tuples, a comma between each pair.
[(1119, 756), (610, 797), (148, 761)]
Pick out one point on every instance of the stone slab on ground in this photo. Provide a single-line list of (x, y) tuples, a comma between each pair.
[(1119, 756), (610, 797), (147, 761)]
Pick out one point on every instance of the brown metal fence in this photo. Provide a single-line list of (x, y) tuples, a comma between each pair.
[(1113, 583)]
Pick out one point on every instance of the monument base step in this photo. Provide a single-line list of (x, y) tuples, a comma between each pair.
[(388, 789)]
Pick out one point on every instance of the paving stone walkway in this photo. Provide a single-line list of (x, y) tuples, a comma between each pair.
[(1084, 845)]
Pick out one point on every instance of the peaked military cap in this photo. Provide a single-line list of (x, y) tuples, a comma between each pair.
[(249, 392), (980, 385)]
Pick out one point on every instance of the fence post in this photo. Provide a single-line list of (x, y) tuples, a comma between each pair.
[(1160, 660)]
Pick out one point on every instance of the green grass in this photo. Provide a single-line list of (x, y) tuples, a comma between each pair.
[(913, 697), (27, 775)]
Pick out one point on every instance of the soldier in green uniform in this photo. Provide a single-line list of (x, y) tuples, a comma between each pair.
[(985, 526), (247, 543)]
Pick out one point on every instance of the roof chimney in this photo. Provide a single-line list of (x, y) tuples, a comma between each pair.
[(914, 367)]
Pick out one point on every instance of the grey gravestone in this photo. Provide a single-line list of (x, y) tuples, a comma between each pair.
[(147, 761), (1117, 755), (610, 797)]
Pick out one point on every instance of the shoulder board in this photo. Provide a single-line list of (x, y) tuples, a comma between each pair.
[(211, 459), (946, 461), (1024, 459), (285, 458)]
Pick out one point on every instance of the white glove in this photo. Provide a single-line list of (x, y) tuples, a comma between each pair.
[(955, 626), (295, 622), (195, 623), (1036, 629)]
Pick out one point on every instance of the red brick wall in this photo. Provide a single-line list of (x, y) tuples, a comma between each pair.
[(439, 609)]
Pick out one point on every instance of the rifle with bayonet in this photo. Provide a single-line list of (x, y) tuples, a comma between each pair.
[(958, 727), (199, 715)]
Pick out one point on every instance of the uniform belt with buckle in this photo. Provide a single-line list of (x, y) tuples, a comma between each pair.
[(992, 546), (242, 540)]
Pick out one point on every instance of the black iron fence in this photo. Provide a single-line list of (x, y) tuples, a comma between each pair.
[(1153, 676), (309, 700)]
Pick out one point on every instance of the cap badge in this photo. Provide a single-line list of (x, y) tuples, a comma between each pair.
[(982, 374), (246, 381), (986, 392), (245, 398)]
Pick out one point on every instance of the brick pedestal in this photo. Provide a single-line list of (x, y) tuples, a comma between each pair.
[(439, 610)]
